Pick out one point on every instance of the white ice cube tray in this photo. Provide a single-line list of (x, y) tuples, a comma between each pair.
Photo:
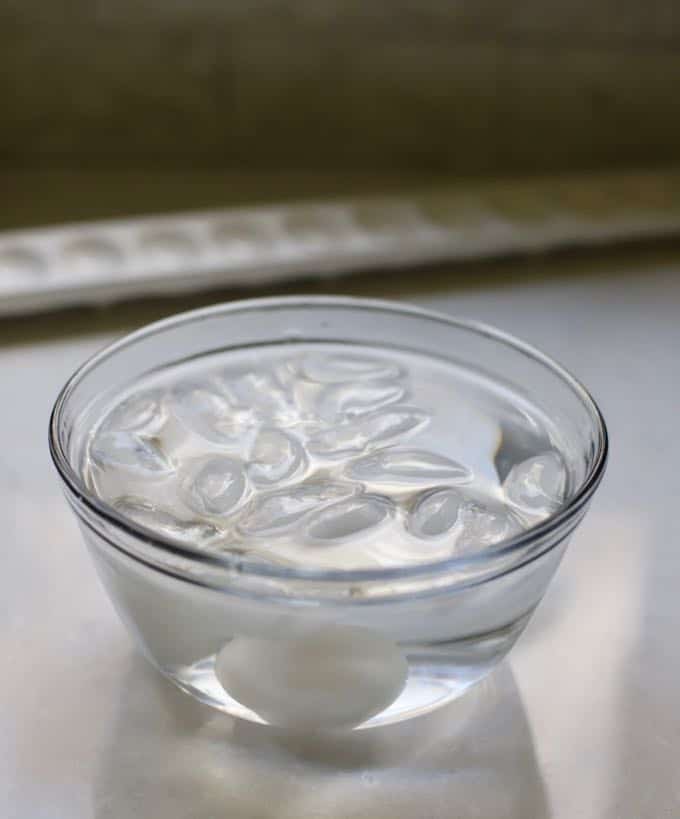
[(101, 262)]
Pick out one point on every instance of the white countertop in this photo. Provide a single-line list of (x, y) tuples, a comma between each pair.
[(583, 722)]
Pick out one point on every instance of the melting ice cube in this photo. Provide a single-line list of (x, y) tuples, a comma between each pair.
[(375, 429), (407, 467), (280, 510), (537, 485), (212, 485), (275, 457), (350, 517)]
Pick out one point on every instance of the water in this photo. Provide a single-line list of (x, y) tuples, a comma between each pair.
[(336, 457), (325, 457)]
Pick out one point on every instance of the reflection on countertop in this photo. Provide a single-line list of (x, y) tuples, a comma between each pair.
[(168, 756)]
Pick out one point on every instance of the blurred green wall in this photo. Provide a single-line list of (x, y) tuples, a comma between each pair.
[(469, 86)]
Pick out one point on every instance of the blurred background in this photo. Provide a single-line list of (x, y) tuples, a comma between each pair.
[(124, 107)]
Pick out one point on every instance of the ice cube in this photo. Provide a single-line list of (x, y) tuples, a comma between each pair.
[(141, 412), (329, 369), (483, 525), (203, 410), (212, 485), (536, 486), (131, 453), (375, 429), (341, 402), (261, 393), (407, 467), (349, 517), (276, 456), (435, 513), (306, 397), (275, 512), (159, 520)]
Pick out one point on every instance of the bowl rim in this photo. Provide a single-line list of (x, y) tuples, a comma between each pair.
[(215, 560)]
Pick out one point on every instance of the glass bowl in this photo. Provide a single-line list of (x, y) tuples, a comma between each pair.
[(311, 648)]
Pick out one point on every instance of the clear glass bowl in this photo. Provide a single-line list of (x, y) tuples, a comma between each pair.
[(310, 648)]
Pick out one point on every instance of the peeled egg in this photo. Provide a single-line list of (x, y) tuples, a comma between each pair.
[(324, 678)]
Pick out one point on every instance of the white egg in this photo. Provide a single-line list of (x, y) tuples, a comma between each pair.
[(321, 679)]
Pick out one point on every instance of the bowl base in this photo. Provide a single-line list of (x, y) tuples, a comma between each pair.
[(437, 674)]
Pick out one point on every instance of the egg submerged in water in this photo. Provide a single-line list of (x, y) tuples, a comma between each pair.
[(320, 679)]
